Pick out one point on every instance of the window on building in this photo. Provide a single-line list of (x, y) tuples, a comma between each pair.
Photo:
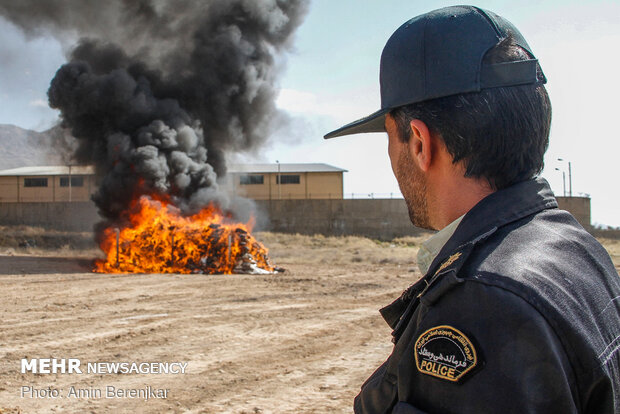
[(76, 181), (252, 179), (287, 179), (35, 182)]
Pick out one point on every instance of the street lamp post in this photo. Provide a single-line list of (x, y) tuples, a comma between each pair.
[(570, 178), (69, 182), (563, 181), (279, 181)]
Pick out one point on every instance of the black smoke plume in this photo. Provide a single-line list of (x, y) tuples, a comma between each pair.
[(158, 92)]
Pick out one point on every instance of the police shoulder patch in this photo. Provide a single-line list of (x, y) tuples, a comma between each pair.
[(445, 352)]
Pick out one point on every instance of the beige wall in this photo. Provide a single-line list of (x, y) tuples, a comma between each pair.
[(255, 191), (325, 185), (287, 191), (36, 194), (316, 185), (75, 193), (13, 190), (9, 189)]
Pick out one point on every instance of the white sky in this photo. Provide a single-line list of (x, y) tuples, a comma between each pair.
[(332, 78)]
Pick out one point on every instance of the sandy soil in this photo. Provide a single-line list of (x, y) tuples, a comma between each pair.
[(298, 342)]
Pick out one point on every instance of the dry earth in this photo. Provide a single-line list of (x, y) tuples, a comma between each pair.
[(298, 342)]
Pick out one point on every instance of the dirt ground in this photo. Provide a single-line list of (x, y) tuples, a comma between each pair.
[(302, 341)]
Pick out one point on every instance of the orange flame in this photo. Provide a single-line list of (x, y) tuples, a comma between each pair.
[(160, 240)]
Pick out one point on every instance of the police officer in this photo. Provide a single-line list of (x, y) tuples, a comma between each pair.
[(519, 307)]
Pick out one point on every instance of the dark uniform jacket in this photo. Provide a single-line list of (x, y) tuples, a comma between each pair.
[(519, 313)]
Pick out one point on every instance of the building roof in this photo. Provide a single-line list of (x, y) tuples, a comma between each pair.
[(284, 168), (49, 170), (233, 168)]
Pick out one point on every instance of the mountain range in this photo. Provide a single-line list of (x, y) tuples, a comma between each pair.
[(21, 147)]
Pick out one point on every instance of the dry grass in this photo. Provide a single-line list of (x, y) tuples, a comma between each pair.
[(288, 248), (19, 240), (308, 250), (612, 245), (613, 248)]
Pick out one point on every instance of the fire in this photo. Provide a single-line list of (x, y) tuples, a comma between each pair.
[(159, 239)]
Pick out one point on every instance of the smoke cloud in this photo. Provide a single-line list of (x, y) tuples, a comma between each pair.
[(158, 92)]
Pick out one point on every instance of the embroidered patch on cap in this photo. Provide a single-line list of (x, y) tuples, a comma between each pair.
[(445, 352)]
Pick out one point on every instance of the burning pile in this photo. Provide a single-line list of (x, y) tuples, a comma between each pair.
[(161, 240)]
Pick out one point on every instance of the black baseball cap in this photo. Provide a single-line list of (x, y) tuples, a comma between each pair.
[(440, 54)]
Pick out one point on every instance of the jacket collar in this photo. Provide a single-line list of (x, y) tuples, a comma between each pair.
[(497, 210), (494, 211)]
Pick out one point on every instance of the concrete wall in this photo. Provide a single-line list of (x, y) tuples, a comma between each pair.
[(381, 219), (74, 216), (579, 207), (378, 218)]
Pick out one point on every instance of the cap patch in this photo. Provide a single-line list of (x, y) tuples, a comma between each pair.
[(445, 352)]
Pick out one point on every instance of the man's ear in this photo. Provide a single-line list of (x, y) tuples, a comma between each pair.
[(420, 147)]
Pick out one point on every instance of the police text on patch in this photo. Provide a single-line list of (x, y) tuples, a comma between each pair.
[(445, 352)]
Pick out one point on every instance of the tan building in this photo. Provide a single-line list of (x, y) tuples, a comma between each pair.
[(286, 181), (46, 184), (257, 181)]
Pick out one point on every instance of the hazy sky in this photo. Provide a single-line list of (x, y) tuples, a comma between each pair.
[(332, 78)]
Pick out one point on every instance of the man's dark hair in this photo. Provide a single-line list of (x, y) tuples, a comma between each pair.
[(500, 133)]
